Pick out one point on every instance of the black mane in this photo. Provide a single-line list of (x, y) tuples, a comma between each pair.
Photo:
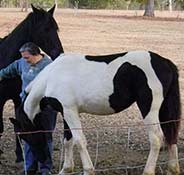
[(9, 45)]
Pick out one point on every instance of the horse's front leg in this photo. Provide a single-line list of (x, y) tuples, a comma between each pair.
[(18, 150), (72, 119), (10, 89), (2, 102), (1, 118), (68, 165)]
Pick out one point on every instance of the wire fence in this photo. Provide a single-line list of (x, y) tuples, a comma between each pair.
[(129, 137)]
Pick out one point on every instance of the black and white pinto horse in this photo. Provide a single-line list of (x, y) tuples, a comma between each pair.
[(39, 27), (106, 85)]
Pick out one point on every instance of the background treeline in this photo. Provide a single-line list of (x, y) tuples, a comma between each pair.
[(96, 4), (126, 4)]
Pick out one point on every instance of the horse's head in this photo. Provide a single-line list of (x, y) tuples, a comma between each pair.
[(43, 31), (38, 27), (31, 133)]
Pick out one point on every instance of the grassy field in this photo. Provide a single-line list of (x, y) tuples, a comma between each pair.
[(100, 32)]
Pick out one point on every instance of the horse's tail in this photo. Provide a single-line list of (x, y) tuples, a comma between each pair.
[(170, 111)]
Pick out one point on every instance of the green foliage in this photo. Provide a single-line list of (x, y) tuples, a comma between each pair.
[(42, 3), (93, 4), (181, 3), (100, 4)]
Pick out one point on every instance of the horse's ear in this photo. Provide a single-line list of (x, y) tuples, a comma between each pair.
[(51, 11), (35, 10)]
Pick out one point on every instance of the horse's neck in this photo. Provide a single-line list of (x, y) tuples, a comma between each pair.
[(9, 47), (36, 91)]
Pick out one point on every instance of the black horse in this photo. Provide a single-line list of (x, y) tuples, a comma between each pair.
[(39, 27)]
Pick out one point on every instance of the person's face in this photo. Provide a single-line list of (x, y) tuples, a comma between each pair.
[(28, 57)]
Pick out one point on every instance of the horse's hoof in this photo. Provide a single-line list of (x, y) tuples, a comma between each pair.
[(173, 170), (89, 172), (147, 173), (66, 171)]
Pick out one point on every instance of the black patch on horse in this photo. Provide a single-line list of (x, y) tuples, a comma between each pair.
[(159, 64), (105, 58), (130, 85), (56, 105), (52, 102)]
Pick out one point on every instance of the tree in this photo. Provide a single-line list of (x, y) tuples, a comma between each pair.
[(24, 5), (149, 8), (56, 3), (170, 5), (1, 3)]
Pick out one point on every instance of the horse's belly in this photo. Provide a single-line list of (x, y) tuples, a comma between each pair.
[(96, 105), (98, 110)]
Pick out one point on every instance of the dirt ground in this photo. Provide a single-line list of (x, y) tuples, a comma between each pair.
[(118, 144)]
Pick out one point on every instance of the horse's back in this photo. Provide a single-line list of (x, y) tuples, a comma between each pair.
[(78, 81), (99, 86), (88, 82)]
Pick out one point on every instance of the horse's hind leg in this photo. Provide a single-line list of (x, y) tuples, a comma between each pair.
[(173, 165), (73, 121), (156, 140), (149, 105), (170, 113)]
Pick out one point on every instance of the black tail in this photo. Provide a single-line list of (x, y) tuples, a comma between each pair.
[(170, 111)]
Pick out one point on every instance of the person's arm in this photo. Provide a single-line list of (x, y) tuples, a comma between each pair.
[(10, 71)]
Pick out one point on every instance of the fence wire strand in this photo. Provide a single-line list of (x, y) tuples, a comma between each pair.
[(125, 167)]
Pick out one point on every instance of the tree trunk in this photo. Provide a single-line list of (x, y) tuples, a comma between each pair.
[(16, 3), (24, 5), (149, 8), (56, 3), (170, 5), (0, 3)]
